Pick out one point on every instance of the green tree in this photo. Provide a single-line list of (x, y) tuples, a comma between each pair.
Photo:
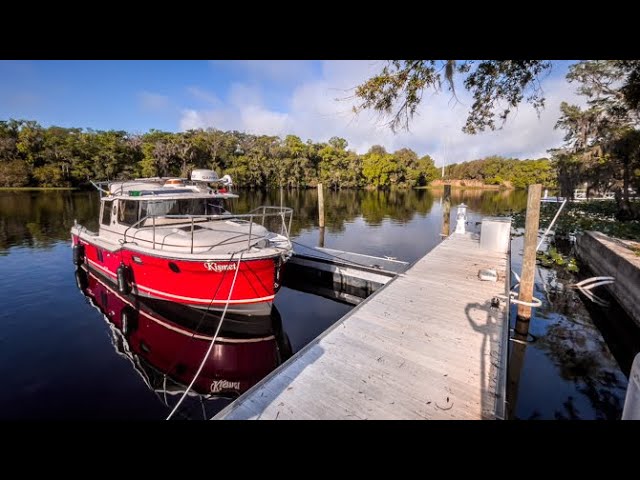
[(425, 171), (378, 167), (604, 136), (497, 86), (14, 173)]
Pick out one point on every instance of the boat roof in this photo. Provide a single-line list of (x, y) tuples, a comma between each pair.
[(158, 189)]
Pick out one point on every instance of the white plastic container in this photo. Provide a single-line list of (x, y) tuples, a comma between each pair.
[(495, 234)]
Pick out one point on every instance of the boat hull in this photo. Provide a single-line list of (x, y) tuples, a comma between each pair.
[(196, 283)]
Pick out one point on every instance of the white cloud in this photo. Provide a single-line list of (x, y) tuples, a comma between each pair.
[(203, 95), (313, 112), (242, 95), (281, 71), (244, 111), (153, 101)]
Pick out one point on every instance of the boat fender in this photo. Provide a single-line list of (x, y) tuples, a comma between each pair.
[(129, 320), (78, 254), (277, 284), (82, 281), (124, 286)]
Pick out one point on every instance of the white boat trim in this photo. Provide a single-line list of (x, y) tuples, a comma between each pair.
[(206, 300)]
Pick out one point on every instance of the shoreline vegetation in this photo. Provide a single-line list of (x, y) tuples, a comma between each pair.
[(579, 217), (467, 185), (35, 156)]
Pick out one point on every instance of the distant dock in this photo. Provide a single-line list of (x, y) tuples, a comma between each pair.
[(430, 344)]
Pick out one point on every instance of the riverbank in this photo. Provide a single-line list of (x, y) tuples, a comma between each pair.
[(465, 185)]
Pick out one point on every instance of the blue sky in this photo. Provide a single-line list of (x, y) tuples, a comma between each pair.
[(306, 98)]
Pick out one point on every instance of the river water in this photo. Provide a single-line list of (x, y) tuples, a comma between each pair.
[(63, 354)]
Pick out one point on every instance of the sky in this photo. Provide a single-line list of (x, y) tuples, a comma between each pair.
[(308, 98)]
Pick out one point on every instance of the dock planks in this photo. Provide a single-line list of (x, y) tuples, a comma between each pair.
[(428, 345)]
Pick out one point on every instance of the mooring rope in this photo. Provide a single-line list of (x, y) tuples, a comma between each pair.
[(213, 340)]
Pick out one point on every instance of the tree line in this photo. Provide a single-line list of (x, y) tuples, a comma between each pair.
[(32, 155), (508, 172), (602, 140)]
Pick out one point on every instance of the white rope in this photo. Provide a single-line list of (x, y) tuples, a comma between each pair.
[(535, 303), (213, 340), (551, 224), (599, 280)]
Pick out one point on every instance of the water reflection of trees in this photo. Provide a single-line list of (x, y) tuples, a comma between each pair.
[(342, 206), (39, 219), (375, 206), (491, 202), (582, 358), (578, 350)]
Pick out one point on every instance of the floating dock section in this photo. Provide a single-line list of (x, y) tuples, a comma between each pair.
[(430, 344), (343, 276)]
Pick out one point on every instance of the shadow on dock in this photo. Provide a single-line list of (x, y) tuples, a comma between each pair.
[(490, 350)]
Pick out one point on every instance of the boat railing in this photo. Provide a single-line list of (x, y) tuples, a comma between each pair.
[(102, 187), (261, 215)]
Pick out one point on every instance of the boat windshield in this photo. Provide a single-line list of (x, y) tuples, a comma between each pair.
[(131, 211), (187, 206)]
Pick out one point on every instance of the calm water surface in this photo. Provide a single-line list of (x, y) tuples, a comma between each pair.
[(63, 353)]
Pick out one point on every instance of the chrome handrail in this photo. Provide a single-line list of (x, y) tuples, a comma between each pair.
[(263, 212)]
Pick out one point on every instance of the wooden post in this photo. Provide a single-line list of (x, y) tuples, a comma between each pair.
[(321, 215), (446, 211), (320, 206), (516, 360), (527, 276)]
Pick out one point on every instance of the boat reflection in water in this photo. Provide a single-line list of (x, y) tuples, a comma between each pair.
[(166, 343)]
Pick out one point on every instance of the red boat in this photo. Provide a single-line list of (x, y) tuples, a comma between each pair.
[(166, 342), (173, 239)]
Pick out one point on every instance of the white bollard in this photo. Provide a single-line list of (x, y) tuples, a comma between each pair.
[(461, 218), (631, 410)]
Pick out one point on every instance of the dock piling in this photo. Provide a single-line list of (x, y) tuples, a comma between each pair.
[(321, 215), (516, 361), (320, 206), (446, 211), (527, 276)]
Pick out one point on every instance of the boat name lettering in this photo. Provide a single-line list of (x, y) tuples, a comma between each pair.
[(217, 267), (220, 385)]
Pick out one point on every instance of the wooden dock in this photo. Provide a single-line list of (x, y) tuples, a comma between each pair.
[(427, 345)]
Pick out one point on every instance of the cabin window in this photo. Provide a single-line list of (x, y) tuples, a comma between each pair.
[(190, 206), (106, 212), (215, 206), (128, 214)]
